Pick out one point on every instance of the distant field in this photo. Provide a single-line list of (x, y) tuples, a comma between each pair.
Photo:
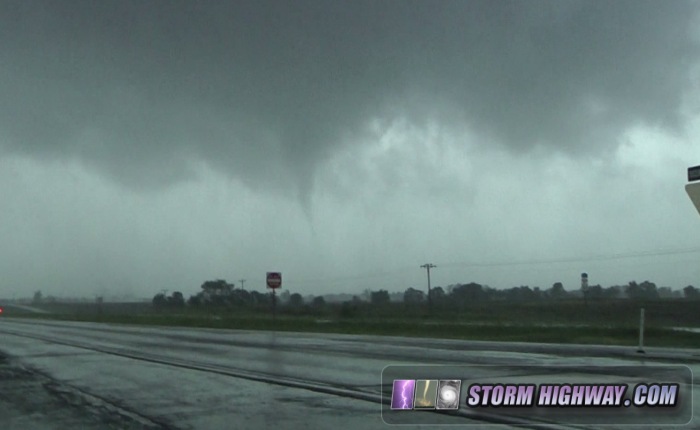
[(608, 323)]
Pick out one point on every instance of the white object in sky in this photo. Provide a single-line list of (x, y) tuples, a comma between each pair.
[(693, 188)]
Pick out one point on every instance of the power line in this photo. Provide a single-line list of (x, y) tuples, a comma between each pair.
[(407, 269), (618, 256), (374, 275)]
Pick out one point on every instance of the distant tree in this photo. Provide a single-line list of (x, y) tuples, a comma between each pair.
[(218, 287), (160, 301), (296, 300), (644, 291), (37, 297), (467, 293), (633, 290), (318, 302), (260, 298), (527, 293), (557, 291), (613, 292), (176, 300), (691, 293), (437, 295), (413, 296), (594, 292), (219, 300), (649, 290), (520, 294), (241, 297), (490, 293), (380, 297), (194, 300)]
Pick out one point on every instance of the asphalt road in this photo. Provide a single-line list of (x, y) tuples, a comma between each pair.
[(88, 375)]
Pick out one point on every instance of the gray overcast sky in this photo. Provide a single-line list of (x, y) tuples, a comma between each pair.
[(148, 145)]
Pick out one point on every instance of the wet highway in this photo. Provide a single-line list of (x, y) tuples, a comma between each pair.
[(188, 378)]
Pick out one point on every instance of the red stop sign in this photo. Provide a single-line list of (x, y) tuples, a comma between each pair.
[(274, 279)]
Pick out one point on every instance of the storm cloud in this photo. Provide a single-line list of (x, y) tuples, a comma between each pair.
[(354, 110), (267, 90)]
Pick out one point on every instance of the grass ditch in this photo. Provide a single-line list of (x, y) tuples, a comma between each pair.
[(499, 328)]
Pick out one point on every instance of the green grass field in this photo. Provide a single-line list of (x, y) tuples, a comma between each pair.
[(608, 323)]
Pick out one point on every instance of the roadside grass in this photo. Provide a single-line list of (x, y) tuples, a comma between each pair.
[(502, 323)]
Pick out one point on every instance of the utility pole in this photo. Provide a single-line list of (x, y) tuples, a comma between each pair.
[(427, 267), (242, 281), (274, 303)]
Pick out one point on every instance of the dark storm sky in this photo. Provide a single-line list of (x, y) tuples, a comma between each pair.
[(156, 144)]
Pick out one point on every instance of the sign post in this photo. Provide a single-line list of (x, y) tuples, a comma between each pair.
[(274, 281), (641, 332)]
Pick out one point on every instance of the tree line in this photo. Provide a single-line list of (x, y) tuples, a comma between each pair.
[(220, 293)]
